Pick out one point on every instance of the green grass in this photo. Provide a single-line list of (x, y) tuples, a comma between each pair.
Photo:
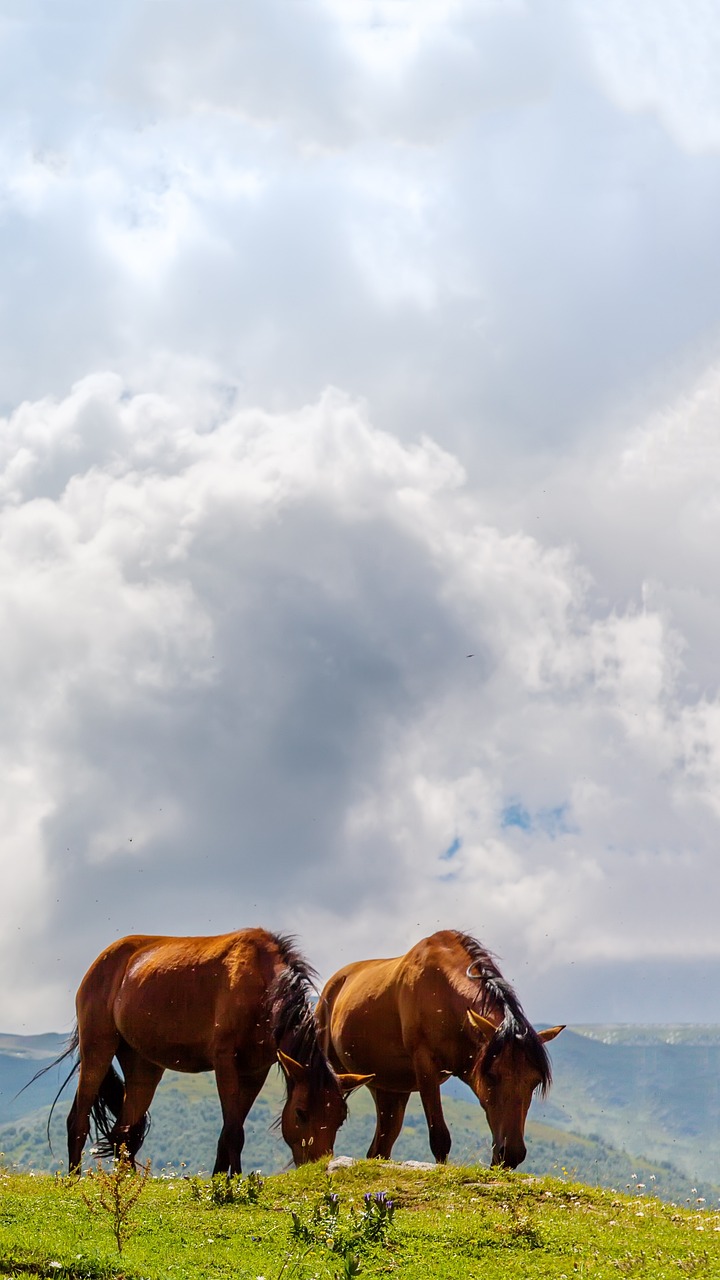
[(450, 1223)]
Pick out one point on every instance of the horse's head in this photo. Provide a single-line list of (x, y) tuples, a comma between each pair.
[(508, 1067), (315, 1108)]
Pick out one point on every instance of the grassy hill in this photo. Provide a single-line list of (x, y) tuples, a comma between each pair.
[(445, 1224)]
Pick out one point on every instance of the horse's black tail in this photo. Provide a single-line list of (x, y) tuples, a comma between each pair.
[(71, 1051), (105, 1113)]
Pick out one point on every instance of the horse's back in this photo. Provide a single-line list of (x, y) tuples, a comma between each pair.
[(237, 952), (176, 1000), (102, 980), (375, 1014), (362, 983), (240, 950), (360, 1020)]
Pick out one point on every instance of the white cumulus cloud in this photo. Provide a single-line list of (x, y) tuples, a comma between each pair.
[(284, 667)]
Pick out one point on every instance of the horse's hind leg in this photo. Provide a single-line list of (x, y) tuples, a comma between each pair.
[(141, 1080), (95, 1061), (390, 1108)]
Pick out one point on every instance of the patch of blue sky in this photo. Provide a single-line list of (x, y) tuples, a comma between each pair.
[(551, 822), (451, 850), (516, 815)]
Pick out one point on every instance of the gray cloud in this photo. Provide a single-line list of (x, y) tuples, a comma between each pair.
[(282, 668), (237, 607), (473, 235)]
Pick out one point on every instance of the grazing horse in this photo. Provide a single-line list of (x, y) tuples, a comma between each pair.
[(232, 1004), (444, 1009)]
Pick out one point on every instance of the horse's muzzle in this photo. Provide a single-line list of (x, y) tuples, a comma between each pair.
[(510, 1155)]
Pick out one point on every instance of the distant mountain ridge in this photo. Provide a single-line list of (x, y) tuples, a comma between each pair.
[(651, 1033), (652, 1091), (20, 1058), (620, 1093), (48, 1045)]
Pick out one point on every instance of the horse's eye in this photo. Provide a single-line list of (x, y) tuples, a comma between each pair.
[(301, 1115)]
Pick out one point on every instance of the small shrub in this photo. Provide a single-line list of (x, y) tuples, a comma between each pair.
[(114, 1193)]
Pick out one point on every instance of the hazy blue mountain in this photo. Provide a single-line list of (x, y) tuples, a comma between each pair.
[(20, 1058), (653, 1091), (642, 1101)]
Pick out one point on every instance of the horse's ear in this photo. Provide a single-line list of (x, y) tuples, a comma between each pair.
[(550, 1033), (293, 1070), (348, 1081), (486, 1028)]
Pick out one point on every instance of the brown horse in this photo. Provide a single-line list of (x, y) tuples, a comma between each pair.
[(234, 1005), (444, 1009)]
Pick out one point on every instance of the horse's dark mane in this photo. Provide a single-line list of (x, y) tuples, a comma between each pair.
[(292, 1019), (496, 995)]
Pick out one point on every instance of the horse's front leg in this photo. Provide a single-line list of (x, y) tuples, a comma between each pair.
[(428, 1081), (237, 1094), (390, 1108)]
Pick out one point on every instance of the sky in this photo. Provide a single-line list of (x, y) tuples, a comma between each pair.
[(359, 485)]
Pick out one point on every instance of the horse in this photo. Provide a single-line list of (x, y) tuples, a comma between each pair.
[(232, 1004), (443, 1009)]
